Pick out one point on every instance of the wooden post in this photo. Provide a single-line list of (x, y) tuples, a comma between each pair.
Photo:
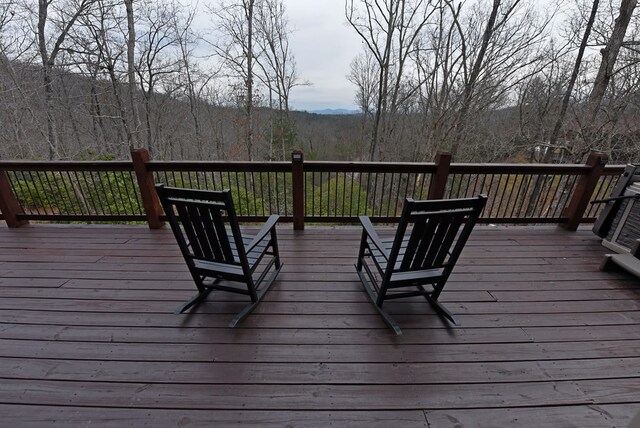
[(297, 180), (9, 205), (584, 190), (147, 186), (438, 183)]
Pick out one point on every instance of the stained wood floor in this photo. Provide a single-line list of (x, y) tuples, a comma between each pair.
[(87, 337)]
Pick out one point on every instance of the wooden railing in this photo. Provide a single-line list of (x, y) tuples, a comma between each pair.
[(299, 191)]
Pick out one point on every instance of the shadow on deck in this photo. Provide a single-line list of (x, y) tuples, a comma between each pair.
[(87, 336)]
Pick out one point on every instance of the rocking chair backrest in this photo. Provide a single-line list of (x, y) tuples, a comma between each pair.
[(432, 234), (199, 220)]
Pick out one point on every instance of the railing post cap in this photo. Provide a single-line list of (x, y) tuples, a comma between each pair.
[(443, 158), (141, 153), (597, 158), (297, 156)]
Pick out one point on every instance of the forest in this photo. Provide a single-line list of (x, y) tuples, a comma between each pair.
[(486, 80)]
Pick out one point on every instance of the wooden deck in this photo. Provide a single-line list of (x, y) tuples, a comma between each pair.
[(87, 337)]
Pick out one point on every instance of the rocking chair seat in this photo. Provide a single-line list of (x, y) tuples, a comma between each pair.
[(399, 276), (254, 257)]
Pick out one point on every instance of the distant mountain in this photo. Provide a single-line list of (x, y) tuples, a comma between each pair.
[(337, 111)]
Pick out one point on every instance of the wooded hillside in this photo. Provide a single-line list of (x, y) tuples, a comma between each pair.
[(489, 80)]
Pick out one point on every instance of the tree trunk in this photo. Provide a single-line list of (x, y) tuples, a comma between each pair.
[(376, 122), (52, 132), (572, 79), (383, 88), (124, 121), (132, 136), (473, 77), (98, 123), (193, 111), (69, 112), (249, 11), (609, 56)]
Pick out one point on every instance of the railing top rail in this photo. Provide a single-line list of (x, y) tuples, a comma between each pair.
[(528, 168), (66, 165), (312, 166), (525, 168), (407, 167), (239, 166), (614, 169)]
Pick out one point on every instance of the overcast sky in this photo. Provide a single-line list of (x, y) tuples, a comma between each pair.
[(323, 45)]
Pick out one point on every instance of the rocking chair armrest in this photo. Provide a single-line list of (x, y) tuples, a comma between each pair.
[(270, 224), (373, 235)]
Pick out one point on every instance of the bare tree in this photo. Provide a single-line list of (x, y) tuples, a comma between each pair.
[(609, 57), (504, 53), (194, 81), (157, 60), (363, 74), (236, 22), (538, 105), (439, 59), (472, 77), (277, 63), (16, 58), (131, 74), (101, 40), (389, 29), (48, 57), (574, 76)]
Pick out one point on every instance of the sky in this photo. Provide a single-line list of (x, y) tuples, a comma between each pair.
[(323, 45)]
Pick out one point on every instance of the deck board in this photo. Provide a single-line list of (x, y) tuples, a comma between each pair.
[(87, 336)]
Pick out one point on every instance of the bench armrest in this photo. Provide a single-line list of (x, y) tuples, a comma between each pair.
[(635, 249)]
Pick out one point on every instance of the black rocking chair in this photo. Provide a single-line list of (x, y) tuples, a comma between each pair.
[(206, 228), (427, 244)]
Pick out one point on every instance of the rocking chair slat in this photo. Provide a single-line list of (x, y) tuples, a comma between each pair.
[(452, 232), (195, 215), (210, 230), (188, 229), (412, 244), (223, 238)]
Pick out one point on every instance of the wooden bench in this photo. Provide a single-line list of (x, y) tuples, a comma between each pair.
[(629, 262)]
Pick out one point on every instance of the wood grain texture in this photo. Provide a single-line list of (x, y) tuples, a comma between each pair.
[(87, 336)]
